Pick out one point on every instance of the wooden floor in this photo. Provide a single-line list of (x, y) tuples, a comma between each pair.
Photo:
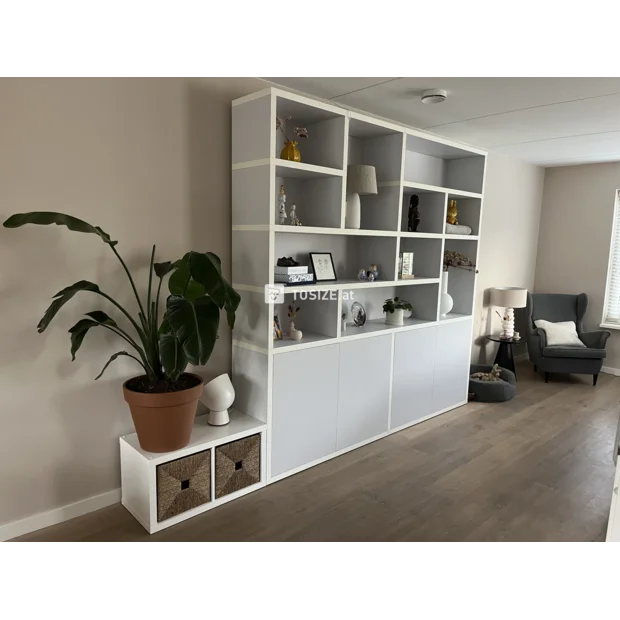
[(537, 468)]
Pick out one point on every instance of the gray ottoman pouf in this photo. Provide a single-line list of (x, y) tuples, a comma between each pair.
[(492, 391)]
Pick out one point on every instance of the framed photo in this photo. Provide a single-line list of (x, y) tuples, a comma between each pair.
[(323, 266)]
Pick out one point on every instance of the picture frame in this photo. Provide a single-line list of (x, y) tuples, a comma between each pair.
[(323, 266)]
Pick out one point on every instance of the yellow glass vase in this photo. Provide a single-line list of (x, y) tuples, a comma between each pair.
[(290, 151)]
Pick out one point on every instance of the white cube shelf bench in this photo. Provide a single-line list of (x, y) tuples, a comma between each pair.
[(219, 464), (343, 386)]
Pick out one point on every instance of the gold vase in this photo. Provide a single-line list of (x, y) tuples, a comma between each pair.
[(290, 151)]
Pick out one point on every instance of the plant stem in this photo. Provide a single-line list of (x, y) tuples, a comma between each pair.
[(148, 296), (133, 285)]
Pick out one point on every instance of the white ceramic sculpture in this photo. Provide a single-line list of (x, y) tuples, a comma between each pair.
[(218, 396), (445, 302)]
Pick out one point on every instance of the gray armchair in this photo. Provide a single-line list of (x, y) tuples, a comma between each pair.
[(586, 360)]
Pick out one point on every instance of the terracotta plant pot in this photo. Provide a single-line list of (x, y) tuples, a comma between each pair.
[(164, 421)]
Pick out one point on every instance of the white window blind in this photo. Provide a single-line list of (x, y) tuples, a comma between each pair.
[(611, 313)]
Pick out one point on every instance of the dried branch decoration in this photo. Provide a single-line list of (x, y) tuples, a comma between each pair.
[(457, 260), (300, 132)]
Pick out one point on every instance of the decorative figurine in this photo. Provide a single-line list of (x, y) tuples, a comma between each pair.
[(293, 334), (294, 219), (413, 219), (452, 214), (287, 262), (372, 271), (370, 276), (361, 275), (282, 205)]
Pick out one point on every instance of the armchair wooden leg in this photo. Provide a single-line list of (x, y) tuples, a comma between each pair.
[(594, 379), (535, 368), (546, 377)]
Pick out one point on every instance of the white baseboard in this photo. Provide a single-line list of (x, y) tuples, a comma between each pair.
[(611, 371), (58, 515)]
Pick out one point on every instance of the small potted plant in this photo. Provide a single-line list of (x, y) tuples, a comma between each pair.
[(394, 310), (290, 151), (162, 400)]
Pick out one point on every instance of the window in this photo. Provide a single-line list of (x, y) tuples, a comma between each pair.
[(611, 310)]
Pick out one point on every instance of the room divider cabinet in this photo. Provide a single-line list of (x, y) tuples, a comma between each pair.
[(342, 386)]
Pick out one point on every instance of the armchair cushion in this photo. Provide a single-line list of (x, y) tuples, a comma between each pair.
[(595, 340), (563, 333), (574, 352)]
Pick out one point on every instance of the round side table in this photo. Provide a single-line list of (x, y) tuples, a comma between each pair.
[(504, 355)]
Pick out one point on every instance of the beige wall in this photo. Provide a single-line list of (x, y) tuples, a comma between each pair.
[(575, 233), (148, 160), (509, 238)]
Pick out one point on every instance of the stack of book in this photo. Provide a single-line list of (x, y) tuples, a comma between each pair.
[(293, 275)]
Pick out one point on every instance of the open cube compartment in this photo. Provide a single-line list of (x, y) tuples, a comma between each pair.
[(350, 253), (461, 281), (427, 256), (432, 208), (324, 145), (317, 317), (435, 163), (423, 298), (468, 210), (317, 199)]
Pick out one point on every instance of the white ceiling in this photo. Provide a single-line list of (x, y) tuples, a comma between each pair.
[(546, 121)]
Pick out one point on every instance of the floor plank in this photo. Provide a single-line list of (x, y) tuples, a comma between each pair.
[(537, 468)]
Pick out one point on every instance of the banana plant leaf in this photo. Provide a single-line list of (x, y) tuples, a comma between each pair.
[(61, 298), (116, 356), (173, 357)]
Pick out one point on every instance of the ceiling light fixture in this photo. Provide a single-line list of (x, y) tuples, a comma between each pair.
[(434, 95)]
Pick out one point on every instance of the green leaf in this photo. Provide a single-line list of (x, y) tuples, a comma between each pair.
[(195, 323), (161, 269), (78, 332), (61, 298), (44, 218), (115, 356), (206, 269), (181, 282), (101, 318), (173, 357)]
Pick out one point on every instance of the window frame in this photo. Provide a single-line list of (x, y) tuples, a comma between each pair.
[(610, 261)]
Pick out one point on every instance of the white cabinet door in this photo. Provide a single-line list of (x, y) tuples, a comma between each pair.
[(413, 374), (305, 404), (613, 525), (364, 389), (452, 356)]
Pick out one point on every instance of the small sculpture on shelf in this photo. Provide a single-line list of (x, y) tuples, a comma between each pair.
[(293, 334), (294, 219), (287, 262), (282, 205), (277, 331), (374, 272), (452, 217), (361, 275), (413, 219), (290, 151)]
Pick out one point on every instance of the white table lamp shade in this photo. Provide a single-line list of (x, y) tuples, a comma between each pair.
[(361, 180), (509, 297)]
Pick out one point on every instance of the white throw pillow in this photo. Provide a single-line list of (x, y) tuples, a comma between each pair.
[(562, 334)]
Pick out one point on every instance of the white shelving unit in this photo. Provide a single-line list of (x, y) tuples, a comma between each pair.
[(337, 389)]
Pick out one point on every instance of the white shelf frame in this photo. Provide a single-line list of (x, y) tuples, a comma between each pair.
[(272, 230)]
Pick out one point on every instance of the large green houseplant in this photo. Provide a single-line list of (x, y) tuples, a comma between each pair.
[(163, 400)]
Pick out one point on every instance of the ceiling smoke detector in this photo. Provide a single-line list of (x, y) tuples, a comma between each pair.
[(434, 95)]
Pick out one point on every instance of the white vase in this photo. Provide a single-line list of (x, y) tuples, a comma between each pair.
[(354, 211), (446, 302), (394, 318), (218, 396)]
